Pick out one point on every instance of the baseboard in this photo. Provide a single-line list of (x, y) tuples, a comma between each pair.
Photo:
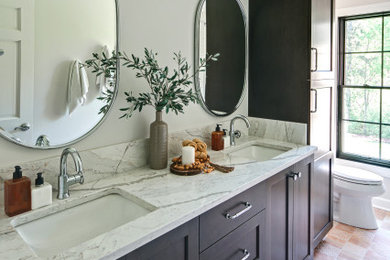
[(381, 203)]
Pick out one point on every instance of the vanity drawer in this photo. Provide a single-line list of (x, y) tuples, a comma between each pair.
[(246, 242), (221, 220)]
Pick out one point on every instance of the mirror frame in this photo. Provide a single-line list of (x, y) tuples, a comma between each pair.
[(116, 2), (197, 58)]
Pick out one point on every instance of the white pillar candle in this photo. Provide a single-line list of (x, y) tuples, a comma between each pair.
[(187, 155)]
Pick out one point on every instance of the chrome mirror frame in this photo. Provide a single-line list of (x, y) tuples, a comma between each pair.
[(197, 59), (9, 138)]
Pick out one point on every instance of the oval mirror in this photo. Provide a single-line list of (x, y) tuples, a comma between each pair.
[(48, 98), (220, 27)]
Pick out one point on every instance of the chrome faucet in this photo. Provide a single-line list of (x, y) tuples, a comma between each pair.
[(237, 133), (65, 180)]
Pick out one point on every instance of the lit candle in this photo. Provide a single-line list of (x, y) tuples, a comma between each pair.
[(187, 155)]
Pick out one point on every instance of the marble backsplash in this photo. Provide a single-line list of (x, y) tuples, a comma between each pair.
[(121, 158), (289, 132)]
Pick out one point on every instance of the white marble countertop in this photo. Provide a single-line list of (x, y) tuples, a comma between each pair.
[(177, 200)]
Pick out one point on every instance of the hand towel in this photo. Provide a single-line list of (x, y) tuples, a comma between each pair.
[(78, 86)]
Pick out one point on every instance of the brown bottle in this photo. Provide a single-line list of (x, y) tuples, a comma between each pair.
[(17, 194), (217, 139)]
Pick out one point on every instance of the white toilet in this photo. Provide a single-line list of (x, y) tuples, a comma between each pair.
[(353, 192)]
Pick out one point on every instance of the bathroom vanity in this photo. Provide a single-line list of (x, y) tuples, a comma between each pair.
[(261, 209), (271, 220)]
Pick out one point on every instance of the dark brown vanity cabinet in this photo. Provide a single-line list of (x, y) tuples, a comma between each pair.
[(245, 242), (235, 229), (224, 218), (322, 195), (272, 220), (288, 213), (181, 243)]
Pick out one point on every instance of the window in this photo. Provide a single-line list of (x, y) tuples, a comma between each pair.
[(364, 89)]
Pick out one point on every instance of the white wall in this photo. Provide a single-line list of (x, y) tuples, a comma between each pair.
[(166, 26), (356, 7)]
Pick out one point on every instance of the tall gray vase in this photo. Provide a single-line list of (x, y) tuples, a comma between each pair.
[(158, 154)]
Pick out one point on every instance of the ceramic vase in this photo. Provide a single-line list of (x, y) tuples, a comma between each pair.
[(158, 153)]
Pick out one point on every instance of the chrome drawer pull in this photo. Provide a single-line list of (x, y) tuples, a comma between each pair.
[(246, 254), (248, 206)]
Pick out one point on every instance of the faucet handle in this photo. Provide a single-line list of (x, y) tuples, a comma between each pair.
[(81, 177), (237, 134)]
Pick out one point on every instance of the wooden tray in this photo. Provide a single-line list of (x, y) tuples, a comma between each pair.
[(189, 172)]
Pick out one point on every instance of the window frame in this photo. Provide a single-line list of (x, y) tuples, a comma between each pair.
[(340, 86)]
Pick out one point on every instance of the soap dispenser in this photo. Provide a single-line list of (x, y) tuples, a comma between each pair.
[(41, 193), (17, 194), (217, 139)]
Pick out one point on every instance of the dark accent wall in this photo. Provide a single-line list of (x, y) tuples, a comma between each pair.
[(279, 59), (225, 35)]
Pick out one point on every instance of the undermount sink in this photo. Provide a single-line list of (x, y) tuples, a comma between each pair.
[(255, 153), (62, 230)]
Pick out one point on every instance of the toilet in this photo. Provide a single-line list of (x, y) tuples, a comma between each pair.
[(353, 192)]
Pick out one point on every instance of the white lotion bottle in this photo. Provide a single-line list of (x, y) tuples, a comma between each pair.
[(41, 193), (226, 139)]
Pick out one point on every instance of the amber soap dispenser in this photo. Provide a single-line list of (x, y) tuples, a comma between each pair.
[(17, 194), (217, 139)]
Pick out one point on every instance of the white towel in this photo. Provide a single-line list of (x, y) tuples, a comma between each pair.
[(78, 86), (101, 81)]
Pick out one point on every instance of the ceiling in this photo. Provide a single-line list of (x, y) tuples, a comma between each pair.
[(352, 3)]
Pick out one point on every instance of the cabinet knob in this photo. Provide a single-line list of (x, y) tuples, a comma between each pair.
[(295, 175)]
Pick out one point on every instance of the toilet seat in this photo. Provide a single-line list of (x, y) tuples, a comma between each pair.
[(353, 190), (357, 176)]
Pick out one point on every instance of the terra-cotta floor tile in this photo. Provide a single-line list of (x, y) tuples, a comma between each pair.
[(345, 242), (361, 240), (353, 251), (372, 255)]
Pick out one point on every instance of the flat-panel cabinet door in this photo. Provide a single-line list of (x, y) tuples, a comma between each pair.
[(322, 196), (321, 115), (181, 243), (278, 220), (302, 219), (321, 36)]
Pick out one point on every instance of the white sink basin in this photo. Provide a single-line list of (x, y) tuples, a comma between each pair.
[(57, 232), (255, 153)]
